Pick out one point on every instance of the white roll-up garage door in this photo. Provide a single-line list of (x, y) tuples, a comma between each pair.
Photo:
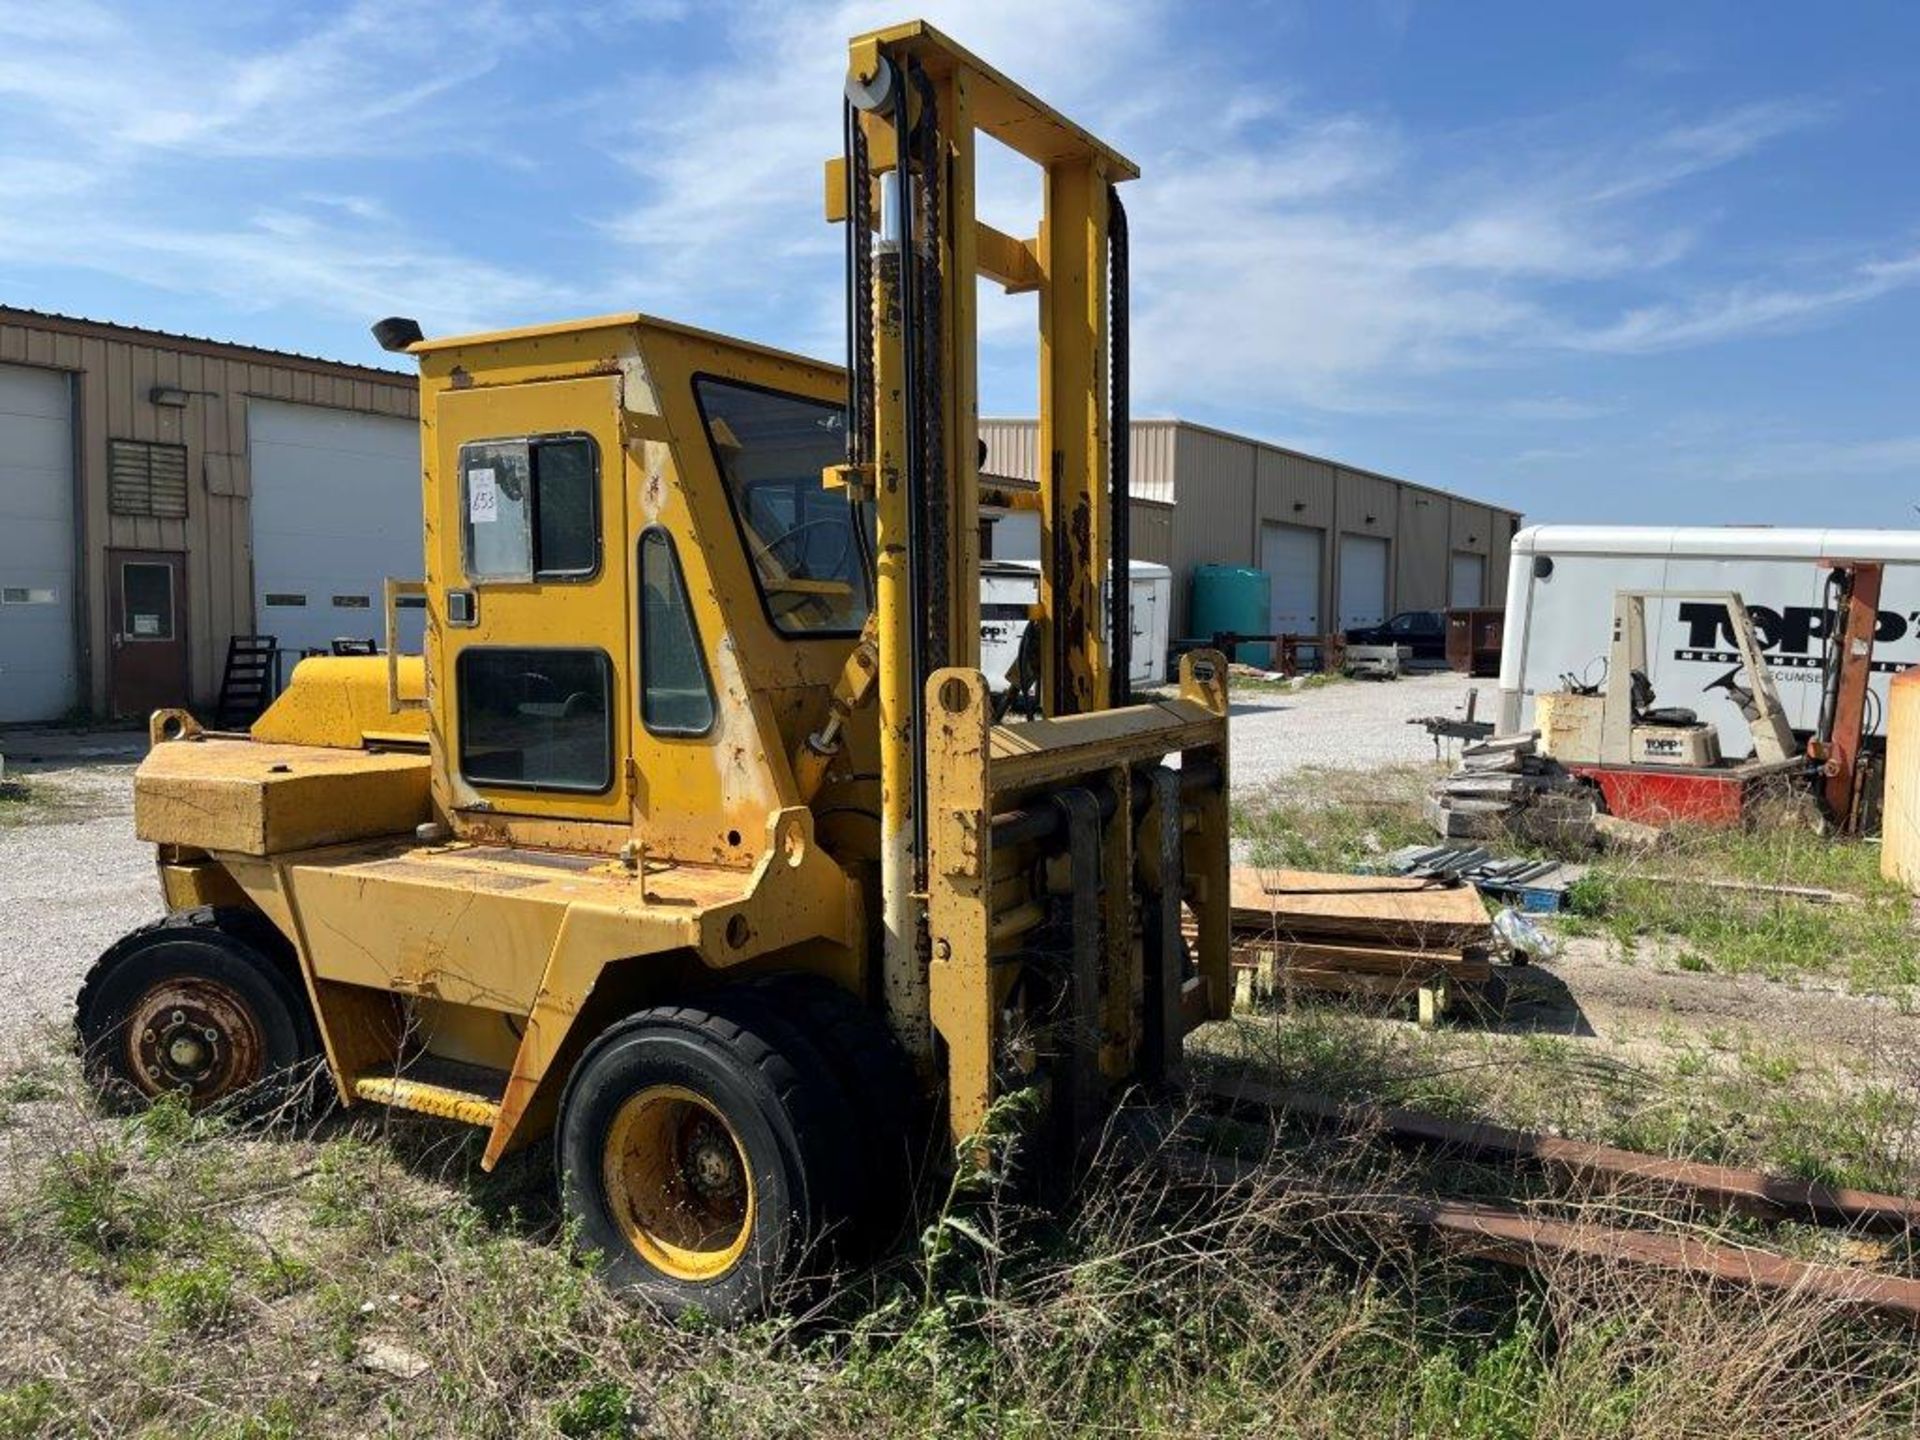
[(1363, 580), (1467, 588), (336, 510), (39, 679), (1290, 554)]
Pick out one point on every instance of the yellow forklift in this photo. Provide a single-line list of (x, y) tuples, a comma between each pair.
[(692, 841)]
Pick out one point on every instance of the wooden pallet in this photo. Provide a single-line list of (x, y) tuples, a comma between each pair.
[(1386, 937)]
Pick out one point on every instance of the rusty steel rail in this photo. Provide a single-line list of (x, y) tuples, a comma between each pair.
[(1601, 1168), (1509, 1236)]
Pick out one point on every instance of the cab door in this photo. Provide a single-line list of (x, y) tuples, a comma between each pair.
[(530, 597)]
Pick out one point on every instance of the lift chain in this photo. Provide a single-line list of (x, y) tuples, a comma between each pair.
[(928, 356)]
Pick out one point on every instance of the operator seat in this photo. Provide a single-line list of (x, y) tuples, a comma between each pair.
[(1645, 712)]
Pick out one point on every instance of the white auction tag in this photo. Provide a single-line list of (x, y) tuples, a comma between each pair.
[(483, 497)]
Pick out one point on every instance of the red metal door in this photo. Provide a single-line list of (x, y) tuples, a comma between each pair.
[(147, 630)]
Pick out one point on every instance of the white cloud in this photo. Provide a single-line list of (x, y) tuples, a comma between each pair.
[(105, 167), (1291, 254), (1743, 310), (1285, 256)]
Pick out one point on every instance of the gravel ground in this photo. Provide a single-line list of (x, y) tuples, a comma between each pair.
[(1354, 725), (72, 877)]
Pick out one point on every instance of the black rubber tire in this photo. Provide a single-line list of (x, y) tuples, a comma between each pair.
[(841, 1171), (783, 1116), (888, 1102), (235, 947)]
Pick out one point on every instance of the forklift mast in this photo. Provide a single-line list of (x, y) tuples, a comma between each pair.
[(916, 108)]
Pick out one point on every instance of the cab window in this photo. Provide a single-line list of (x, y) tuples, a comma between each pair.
[(803, 539), (530, 508), (676, 696), (535, 718)]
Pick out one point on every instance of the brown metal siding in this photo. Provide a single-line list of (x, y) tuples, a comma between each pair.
[(115, 373)]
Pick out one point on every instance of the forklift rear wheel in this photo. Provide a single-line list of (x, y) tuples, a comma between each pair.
[(698, 1159), (200, 1006)]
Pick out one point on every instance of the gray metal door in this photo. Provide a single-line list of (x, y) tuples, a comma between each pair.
[(1290, 554), (1468, 585), (336, 510), (1363, 580), (39, 679)]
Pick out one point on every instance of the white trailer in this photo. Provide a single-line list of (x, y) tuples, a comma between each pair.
[(1009, 587), (1560, 593)]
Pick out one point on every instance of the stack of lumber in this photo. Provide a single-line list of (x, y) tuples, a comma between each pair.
[(1383, 935), (1506, 787)]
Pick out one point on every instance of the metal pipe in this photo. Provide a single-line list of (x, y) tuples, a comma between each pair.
[(908, 303), (1119, 443), (902, 766)]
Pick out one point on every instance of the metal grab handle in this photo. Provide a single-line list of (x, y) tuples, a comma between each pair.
[(394, 590)]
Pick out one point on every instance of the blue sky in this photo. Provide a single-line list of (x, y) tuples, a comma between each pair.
[(1624, 262)]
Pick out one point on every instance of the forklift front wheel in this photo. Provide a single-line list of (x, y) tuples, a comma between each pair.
[(677, 1180), (696, 1158)]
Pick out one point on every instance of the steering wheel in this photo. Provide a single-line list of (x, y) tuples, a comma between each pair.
[(799, 569)]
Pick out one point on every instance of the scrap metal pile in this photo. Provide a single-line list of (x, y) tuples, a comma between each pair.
[(1506, 787)]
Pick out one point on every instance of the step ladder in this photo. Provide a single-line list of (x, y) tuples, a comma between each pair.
[(449, 1089), (246, 686)]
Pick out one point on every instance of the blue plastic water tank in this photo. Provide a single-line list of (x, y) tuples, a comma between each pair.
[(1231, 597)]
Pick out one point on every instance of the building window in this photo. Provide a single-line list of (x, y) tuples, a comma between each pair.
[(676, 697), (804, 540), (146, 601), (535, 719), (145, 478), (531, 508)]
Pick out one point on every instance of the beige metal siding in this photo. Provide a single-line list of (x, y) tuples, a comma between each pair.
[(1420, 561), (1293, 489), (1012, 448), (1151, 462), (117, 371), (1213, 522), (1013, 451), (1152, 532), (1505, 526)]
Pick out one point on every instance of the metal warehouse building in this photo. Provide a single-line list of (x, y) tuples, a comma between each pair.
[(1342, 546), (160, 493)]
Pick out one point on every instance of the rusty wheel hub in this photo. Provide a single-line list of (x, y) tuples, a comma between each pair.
[(196, 1037)]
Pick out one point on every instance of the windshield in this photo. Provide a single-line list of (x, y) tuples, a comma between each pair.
[(801, 536)]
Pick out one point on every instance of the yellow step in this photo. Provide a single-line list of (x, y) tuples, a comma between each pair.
[(449, 1103)]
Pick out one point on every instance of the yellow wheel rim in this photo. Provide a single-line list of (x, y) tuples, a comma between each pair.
[(678, 1182)]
